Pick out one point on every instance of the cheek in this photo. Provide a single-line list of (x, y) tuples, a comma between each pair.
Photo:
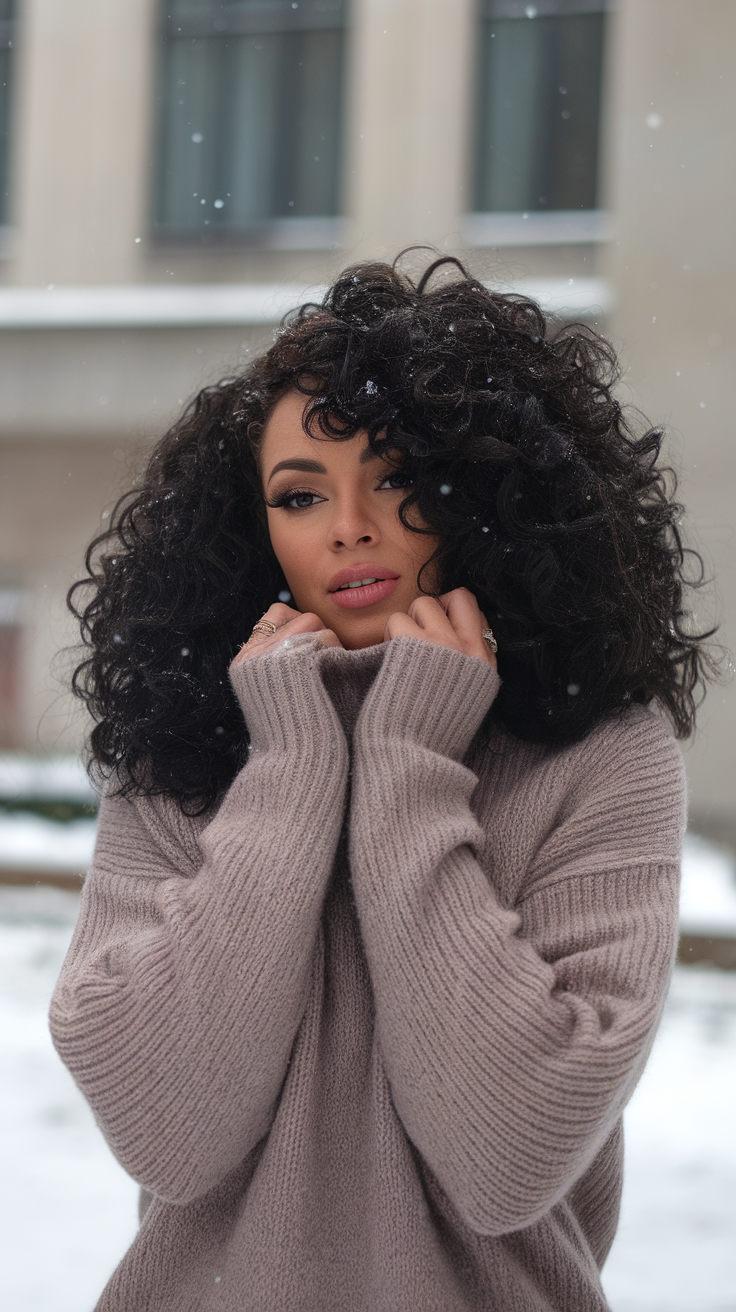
[(419, 547), (292, 550), (281, 541)]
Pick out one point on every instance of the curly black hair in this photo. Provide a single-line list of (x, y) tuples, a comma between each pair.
[(558, 517)]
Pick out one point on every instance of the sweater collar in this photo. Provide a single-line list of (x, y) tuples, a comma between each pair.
[(347, 676)]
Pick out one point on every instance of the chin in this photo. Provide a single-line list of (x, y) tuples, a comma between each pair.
[(360, 633), (355, 638), (356, 644)]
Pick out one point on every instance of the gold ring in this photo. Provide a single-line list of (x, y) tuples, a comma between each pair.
[(265, 626), (488, 635)]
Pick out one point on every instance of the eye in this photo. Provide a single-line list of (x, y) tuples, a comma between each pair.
[(300, 500), (294, 500), (398, 478)]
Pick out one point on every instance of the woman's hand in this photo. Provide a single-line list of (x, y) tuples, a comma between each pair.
[(288, 623), (452, 620)]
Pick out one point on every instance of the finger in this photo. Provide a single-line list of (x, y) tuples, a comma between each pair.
[(428, 612), (307, 622), (460, 598), (328, 638), (298, 623), (280, 614), (464, 614), (293, 639), (401, 625), (427, 622), (468, 622), (259, 642)]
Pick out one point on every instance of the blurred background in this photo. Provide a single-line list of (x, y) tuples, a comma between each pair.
[(174, 177)]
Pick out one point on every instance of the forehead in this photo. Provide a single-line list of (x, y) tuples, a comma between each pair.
[(284, 439)]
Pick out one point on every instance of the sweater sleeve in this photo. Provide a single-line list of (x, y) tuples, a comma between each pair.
[(513, 1036), (185, 983)]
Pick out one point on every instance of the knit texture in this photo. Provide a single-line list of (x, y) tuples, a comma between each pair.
[(366, 1031)]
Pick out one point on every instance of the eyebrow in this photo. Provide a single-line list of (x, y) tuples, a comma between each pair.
[(304, 467), (314, 466)]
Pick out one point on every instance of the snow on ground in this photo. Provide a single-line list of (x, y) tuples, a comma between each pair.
[(708, 890), (675, 1250), (30, 842), (25, 775), (68, 1211)]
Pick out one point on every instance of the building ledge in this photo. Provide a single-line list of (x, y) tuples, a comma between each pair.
[(567, 298), (537, 228), (297, 234), (151, 305), (243, 304)]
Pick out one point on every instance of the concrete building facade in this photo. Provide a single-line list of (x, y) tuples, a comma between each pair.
[(117, 302)]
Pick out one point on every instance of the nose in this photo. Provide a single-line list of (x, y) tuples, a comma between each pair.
[(352, 526)]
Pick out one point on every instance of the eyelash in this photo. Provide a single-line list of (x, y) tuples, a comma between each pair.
[(281, 501)]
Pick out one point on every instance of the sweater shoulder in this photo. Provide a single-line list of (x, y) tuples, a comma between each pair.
[(622, 794), (637, 742), (638, 728), (634, 749), (138, 821), (615, 799), (635, 745)]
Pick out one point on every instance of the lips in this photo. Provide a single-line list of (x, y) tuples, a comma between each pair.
[(362, 585)]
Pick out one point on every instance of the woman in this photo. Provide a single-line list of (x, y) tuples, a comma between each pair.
[(377, 936)]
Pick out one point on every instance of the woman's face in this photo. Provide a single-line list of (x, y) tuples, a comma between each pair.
[(333, 520)]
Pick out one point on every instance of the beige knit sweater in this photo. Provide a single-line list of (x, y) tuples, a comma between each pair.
[(366, 1032)]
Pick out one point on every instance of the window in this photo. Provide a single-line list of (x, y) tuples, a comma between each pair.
[(538, 114), (249, 114), (7, 24)]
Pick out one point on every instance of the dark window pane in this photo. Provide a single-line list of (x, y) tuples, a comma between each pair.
[(539, 110), (7, 24), (9, 685), (249, 114)]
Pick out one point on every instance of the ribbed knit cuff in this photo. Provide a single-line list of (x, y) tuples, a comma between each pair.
[(285, 704), (430, 695)]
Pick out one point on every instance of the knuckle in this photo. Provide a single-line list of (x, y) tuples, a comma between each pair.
[(308, 623)]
